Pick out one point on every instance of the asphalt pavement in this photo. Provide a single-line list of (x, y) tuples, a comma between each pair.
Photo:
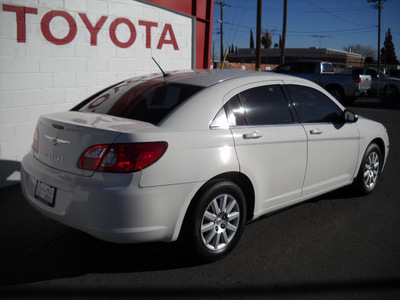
[(338, 246)]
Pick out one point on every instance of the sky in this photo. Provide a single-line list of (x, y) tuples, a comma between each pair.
[(336, 23)]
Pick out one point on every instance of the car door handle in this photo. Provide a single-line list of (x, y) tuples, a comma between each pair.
[(252, 135), (316, 131)]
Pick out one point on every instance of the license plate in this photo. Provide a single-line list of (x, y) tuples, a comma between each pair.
[(45, 193)]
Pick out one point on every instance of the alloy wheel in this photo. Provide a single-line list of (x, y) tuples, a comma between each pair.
[(220, 222), (371, 170)]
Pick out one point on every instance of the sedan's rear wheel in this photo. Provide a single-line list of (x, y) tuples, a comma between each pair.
[(369, 170), (218, 220)]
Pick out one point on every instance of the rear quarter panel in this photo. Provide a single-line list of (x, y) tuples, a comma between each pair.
[(191, 156)]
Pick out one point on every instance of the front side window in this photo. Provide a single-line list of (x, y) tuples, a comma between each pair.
[(313, 106), (265, 105)]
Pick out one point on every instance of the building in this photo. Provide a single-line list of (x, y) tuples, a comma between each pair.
[(272, 57), (55, 53)]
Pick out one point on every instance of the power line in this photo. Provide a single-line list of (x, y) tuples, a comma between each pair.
[(349, 30), (338, 31), (278, 9), (234, 18), (320, 37), (237, 22), (333, 15)]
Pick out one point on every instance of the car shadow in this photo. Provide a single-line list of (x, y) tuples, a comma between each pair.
[(39, 249), (9, 172), (346, 192), (377, 103)]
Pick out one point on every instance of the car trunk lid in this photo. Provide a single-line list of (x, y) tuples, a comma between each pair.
[(64, 137)]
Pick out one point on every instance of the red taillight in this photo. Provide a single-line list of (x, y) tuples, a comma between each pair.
[(91, 159), (122, 157), (357, 79), (35, 143)]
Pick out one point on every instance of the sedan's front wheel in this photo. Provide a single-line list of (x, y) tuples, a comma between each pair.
[(369, 170), (218, 220)]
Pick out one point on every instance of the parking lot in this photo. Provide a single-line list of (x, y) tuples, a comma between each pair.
[(335, 246)]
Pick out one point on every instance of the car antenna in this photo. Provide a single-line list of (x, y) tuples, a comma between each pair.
[(164, 74)]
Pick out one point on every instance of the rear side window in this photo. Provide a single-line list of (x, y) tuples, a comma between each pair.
[(149, 101), (327, 68), (235, 112), (265, 105), (373, 73)]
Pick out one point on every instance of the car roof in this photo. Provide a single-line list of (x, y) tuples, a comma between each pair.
[(206, 78)]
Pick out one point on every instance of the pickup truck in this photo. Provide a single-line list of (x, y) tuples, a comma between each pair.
[(381, 85), (344, 87)]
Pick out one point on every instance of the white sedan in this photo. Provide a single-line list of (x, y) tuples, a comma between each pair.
[(195, 155)]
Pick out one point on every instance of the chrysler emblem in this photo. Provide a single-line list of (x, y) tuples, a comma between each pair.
[(55, 141)]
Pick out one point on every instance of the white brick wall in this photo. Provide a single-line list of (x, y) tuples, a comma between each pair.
[(39, 77)]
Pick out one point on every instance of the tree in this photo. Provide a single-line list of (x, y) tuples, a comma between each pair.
[(364, 51), (387, 52), (266, 39), (369, 60), (251, 39)]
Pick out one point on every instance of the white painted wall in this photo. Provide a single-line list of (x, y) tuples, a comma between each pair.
[(39, 76)]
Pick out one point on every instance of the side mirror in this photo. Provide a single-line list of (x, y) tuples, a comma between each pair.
[(350, 117)]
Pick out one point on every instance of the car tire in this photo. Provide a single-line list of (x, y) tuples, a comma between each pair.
[(390, 91), (338, 93), (217, 220), (370, 169)]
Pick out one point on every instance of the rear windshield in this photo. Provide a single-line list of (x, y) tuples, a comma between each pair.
[(148, 101)]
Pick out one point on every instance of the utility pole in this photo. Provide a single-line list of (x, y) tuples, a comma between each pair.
[(378, 4), (258, 38), (221, 24), (213, 57), (284, 31)]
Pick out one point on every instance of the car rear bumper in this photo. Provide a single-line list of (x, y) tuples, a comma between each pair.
[(109, 206)]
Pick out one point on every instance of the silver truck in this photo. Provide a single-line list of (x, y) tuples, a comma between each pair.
[(344, 87), (381, 85)]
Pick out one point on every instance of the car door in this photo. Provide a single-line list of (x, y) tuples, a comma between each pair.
[(271, 148), (332, 143)]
